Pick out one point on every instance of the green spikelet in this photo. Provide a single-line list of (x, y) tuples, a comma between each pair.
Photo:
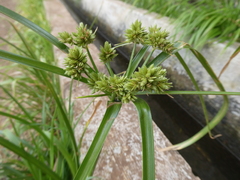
[(158, 39), (107, 53), (84, 36), (148, 79), (75, 63), (66, 37), (136, 34)]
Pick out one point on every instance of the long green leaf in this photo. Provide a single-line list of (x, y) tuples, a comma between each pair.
[(67, 156), (35, 64), (24, 41), (23, 121), (218, 117), (18, 103), (236, 52), (63, 113), (190, 93), (164, 56), (221, 113), (92, 155), (136, 60), (190, 75), (34, 27), (11, 44), (159, 59), (145, 119), (31, 159)]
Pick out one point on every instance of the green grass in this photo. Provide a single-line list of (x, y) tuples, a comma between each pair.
[(34, 111), (199, 22)]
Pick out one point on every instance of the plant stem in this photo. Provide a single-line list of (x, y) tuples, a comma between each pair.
[(109, 69), (131, 59), (134, 62), (145, 118), (132, 54), (92, 155), (91, 59), (148, 58), (121, 44)]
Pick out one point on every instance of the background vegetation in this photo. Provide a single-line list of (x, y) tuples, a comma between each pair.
[(199, 21), (28, 103)]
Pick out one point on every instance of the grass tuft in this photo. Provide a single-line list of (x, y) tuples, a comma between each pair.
[(199, 22)]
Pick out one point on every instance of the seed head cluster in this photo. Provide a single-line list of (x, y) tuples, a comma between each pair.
[(154, 37), (150, 79), (112, 85), (158, 39), (81, 38), (120, 87)]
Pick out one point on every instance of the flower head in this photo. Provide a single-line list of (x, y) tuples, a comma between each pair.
[(84, 36), (75, 62), (107, 53), (66, 37), (111, 85), (158, 39), (136, 34), (148, 79)]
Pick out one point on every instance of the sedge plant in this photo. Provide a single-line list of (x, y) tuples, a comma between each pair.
[(143, 76)]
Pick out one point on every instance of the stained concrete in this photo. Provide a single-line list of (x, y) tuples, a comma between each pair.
[(121, 154)]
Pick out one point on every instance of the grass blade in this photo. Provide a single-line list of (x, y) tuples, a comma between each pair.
[(145, 118), (24, 41), (92, 155), (28, 157), (136, 60), (63, 114), (190, 93), (230, 59), (190, 75), (11, 44), (35, 64), (34, 27), (218, 117), (221, 113), (23, 121), (18, 103), (163, 56), (67, 156)]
